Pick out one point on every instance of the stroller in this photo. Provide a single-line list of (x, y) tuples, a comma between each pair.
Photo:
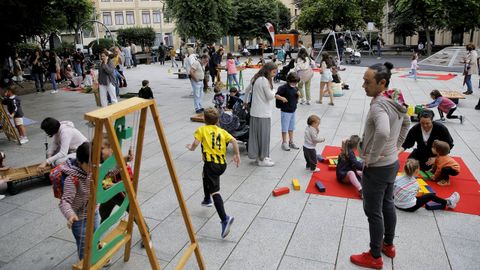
[(352, 56), (282, 75), (236, 123)]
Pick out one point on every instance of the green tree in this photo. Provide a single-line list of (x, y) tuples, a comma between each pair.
[(463, 15), (206, 20), (250, 18), (144, 36), (103, 43), (77, 13), (408, 16)]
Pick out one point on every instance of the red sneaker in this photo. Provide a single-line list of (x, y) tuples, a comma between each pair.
[(367, 260), (389, 250)]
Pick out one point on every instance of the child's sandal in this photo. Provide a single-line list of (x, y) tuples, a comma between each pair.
[(443, 183)]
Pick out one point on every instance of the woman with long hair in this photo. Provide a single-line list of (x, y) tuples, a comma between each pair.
[(37, 69), (303, 67), (106, 79), (326, 79), (261, 95)]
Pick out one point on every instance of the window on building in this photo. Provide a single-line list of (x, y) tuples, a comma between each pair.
[(107, 18), (119, 18), (146, 17), (105, 0), (117, 0), (457, 37), (399, 39), (128, 0), (130, 17), (156, 16)]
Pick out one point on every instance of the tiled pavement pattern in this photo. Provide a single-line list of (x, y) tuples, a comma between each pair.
[(296, 231)]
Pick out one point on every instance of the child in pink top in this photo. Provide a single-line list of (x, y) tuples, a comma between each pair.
[(444, 105), (231, 71)]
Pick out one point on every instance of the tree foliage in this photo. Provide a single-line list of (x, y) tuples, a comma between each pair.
[(76, 13), (463, 15), (144, 36), (319, 15), (206, 20), (103, 43)]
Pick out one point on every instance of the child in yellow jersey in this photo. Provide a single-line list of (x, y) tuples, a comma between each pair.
[(214, 149)]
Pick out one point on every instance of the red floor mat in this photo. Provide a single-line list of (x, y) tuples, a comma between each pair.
[(464, 183), (439, 77)]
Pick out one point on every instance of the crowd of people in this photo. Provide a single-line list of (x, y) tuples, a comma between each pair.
[(373, 171)]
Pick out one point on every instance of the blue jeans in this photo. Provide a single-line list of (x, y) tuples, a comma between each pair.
[(379, 50), (288, 121), (468, 81), (38, 78), (53, 80), (78, 68), (79, 229), (197, 94), (231, 78), (414, 73)]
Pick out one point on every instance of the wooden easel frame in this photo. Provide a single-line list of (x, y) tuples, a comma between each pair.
[(105, 117), (7, 127)]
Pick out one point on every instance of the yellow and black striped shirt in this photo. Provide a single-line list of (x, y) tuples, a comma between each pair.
[(214, 143)]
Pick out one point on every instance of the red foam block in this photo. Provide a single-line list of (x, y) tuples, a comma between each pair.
[(280, 191)]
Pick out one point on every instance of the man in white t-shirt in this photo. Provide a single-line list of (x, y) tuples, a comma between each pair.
[(133, 49), (197, 74)]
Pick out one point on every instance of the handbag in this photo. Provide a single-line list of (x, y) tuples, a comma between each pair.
[(305, 74)]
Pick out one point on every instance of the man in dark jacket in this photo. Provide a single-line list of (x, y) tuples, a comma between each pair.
[(423, 134)]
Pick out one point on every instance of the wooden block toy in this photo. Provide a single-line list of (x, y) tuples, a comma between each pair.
[(296, 184), (426, 175), (433, 206), (430, 190), (280, 191), (331, 164), (422, 191), (320, 186), (421, 182)]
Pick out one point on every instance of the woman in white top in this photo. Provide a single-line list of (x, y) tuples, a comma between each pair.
[(326, 79), (262, 96), (303, 68)]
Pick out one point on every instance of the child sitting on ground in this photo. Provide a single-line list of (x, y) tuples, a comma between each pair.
[(214, 142), (312, 137), (444, 166), (233, 97), (287, 98), (14, 108), (444, 105), (218, 99), (349, 169), (145, 92), (76, 191), (406, 188)]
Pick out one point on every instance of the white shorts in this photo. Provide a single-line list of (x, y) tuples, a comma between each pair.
[(18, 121)]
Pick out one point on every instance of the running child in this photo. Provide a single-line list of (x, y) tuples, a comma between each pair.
[(406, 187), (349, 169), (14, 108), (214, 149), (444, 105), (414, 66), (312, 138), (444, 166), (287, 98)]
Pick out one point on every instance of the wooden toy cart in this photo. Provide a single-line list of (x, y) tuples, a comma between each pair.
[(16, 177)]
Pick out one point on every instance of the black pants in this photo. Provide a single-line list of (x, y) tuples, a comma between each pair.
[(106, 208), (422, 158), (449, 114), (134, 59), (211, 177), (310, 157), (422, 200), (446, 172), (288, 53), (377, 190)]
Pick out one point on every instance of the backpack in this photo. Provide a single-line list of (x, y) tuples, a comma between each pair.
[(57, 179)]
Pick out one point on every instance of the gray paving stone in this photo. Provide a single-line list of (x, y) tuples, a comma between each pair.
[(262, 246), (6, 207), (317, 234), (214, 253), (256, 189), (244, 215), (449, 225), (45, 255), (136, 261), (289, 262), (14, 219), (462, 253)]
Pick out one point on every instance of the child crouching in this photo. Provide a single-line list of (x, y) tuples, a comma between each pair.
[(406, 188)]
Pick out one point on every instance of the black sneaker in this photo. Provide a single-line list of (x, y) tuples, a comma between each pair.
[(207, 203), (226, 226), (467, 92), (477, 107), (461, 119)]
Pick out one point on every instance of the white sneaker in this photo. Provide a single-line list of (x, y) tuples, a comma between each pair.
[(23, 140), (308, 102), (2, 196), (453, 200), (285, 146), (316, 170), (266, 163), (302, 101), (53, 91)]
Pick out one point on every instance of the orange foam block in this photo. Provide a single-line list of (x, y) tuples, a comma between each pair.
[(280, 191)]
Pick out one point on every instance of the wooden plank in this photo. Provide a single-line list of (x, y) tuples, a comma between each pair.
[(186, 256), (119, 109), (7, 126), (452, 94), (197, 118), (21, 173)]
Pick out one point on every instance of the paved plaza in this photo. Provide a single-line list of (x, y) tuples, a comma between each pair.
[(295, 231)]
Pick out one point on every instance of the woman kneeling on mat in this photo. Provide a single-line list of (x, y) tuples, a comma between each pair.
[(349, 169), (406, 188)]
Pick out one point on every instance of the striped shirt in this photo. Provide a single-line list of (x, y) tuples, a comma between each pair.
[(405, 191)]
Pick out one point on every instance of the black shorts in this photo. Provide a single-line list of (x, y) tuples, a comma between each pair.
[(211, 176)]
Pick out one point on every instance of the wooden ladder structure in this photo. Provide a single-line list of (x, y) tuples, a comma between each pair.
[(95, 256)]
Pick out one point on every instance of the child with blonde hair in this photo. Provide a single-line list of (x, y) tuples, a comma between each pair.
[(312, 138), (406, 187)]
